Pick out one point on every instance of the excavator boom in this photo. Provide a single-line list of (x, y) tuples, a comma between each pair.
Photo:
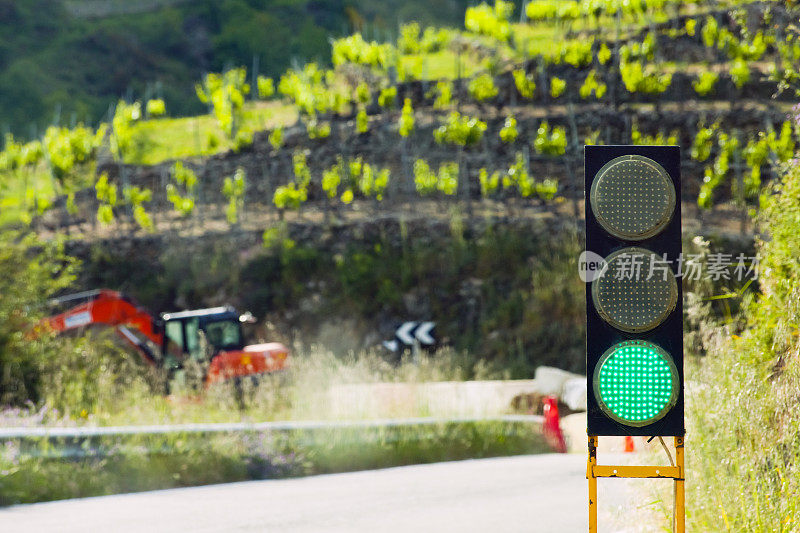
[(110, 308)]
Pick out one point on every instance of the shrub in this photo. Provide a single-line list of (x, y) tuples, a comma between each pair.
[(156, 108), (524, 82), (557, 86), (705, 83), (460, 130), (406, 119), (508, 133), (550, 142), (387, 97), (482, 88)]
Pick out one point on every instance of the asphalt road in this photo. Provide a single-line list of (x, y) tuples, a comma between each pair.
[(536, 493)]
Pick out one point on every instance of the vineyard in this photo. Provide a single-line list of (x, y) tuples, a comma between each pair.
[(494, 114)]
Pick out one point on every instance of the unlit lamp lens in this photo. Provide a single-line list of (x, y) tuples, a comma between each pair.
[(636, 383), (633, 197), (637, 292)]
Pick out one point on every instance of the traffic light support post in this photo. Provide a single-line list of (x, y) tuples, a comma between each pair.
[(677, 473)]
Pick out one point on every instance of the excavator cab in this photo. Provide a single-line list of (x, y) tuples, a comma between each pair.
[(201, 333)]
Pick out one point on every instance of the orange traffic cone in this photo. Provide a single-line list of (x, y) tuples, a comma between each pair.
[(628, 443)]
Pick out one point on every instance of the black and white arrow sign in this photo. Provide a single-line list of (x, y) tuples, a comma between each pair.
[(421, 332)]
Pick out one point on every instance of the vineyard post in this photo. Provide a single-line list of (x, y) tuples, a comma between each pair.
[(254, 78), (463, 176), (614, 72), (573, 147), (742, 197)]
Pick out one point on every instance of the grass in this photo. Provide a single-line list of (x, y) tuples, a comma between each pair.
[(29, 472), (743, 428), (178, 138), (150, 463)]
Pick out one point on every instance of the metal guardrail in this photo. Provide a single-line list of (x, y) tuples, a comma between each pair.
[(99, 442), (18, 433)]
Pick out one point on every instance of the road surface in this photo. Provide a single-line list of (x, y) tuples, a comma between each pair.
[(535, 493)]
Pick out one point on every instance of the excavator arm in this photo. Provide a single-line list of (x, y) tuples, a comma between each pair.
[(110, 308)]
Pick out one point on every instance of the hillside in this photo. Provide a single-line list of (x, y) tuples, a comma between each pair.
[(68, 61)]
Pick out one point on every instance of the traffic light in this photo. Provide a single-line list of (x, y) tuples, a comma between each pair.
[(634, 329)]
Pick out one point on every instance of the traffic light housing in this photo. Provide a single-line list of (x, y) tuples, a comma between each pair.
[(634, 312)]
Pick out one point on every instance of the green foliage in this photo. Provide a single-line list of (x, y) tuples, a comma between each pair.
[(492, 21), (460, 129), (444, 94), (406, 119), (448, 178), (549, 142), (225, 94), (331, 178), (362, 121), (740, 72), (302, 174), (122, 139), (639, 51), (156, 108), (369, 181), (65, 149), (575, 52), (644, 80), (408, 42), (137, 197), (704, 142), (295, 193), (233, 189), (243, 140), (435, 39), (181, 194), (107, 196), (603, 54), (33, 271), (428, 182), (356, 175), (289, 196), (16, 155), (705, 83), (266, 87), (354, 49), (710, 32), (747, 450), (659, 139), (557, 86), (562, 10), (592, 86), (276, 138), (425, 180), (524, 82), (717, 173), (363, 95), (387, 97), (690, 26), (318, 130), (310, 90), (519, 177), (489, 183), (482, 88), (509, 133)]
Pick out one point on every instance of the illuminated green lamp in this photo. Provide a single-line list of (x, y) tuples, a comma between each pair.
[(636, 383)]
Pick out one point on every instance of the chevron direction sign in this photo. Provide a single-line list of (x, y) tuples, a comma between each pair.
[(410, 333)]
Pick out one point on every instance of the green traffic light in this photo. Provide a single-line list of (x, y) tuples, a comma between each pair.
[(636, 383)]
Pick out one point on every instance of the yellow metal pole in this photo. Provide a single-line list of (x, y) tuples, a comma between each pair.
[(680, 508), (592, 483)]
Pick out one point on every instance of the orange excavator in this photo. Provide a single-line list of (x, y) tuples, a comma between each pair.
[(210, 336)]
